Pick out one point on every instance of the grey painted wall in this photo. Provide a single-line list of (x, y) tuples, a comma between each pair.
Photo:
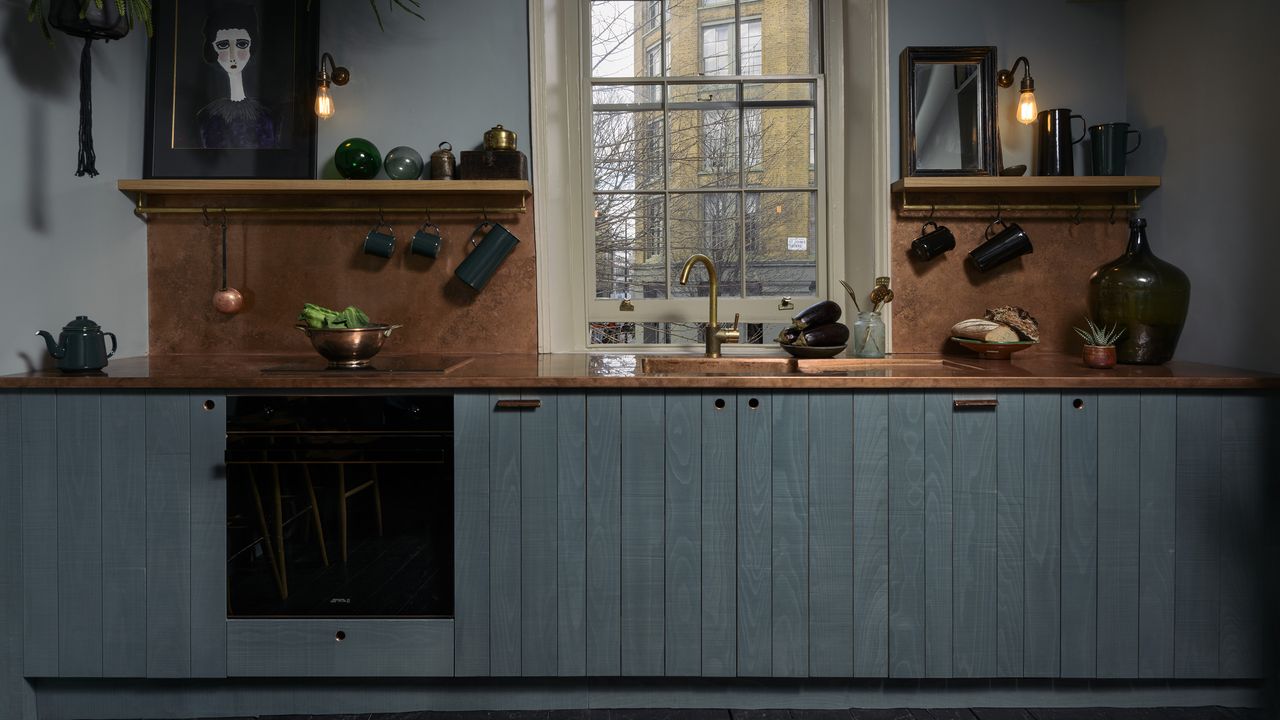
[(1188, 71), (450, 78), (68, 246), (1076, 52), (71, 245)]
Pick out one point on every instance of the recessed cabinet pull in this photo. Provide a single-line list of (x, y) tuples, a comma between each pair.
[(517, 404), (974, 403)]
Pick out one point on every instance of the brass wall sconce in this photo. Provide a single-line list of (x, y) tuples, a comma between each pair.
[(1027, 95), (339, 76)]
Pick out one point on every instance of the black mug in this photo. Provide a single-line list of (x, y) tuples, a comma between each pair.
[(426, 243), (382, 244), (1108, 145), (1054, 141), (1005, 245), (932, 243)]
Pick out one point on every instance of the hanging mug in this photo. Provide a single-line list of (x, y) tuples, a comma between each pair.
[(487, 254), (382, 244), (426, 243), (1007, 244), (932, 243)]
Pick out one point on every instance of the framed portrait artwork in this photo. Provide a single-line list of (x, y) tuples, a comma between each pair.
[(230, 90)]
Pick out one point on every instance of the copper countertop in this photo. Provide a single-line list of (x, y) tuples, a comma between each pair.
[(611, 370)]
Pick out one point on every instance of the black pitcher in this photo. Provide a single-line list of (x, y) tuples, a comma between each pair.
[(1054, 141)]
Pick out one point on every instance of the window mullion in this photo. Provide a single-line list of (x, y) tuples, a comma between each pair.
[(666, 157)]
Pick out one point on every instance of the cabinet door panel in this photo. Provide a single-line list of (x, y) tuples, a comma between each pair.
[(790, 508), (604, 534), (643, 460), (40, 533), (870, 535), (1119, 470), (906, 535), (1197, 550), (1011, 451), (755, 530), (938, 532), (471, 413), (974, 494), (719, 535), (538, 533), (208, 537), (1042, 556), (571, 445), (504, 539), (1079, 534), (79, 535), (683, 585), (1157, 490), (168, 449), (124, 534)]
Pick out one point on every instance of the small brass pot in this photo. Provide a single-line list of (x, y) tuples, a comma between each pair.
[(499, 138), (1100, 357)]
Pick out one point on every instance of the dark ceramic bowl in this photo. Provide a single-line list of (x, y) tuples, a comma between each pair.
[(805, 352)]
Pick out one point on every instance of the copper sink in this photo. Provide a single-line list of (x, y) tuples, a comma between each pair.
[(741, 365)]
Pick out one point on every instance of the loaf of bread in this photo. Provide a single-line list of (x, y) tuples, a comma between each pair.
[(984, 330), (1018, 319)]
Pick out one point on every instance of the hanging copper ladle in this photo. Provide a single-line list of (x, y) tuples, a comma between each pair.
[(226, 300)]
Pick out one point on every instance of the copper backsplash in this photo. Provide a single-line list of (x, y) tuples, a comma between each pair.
[(1052, 283), (280, 262)]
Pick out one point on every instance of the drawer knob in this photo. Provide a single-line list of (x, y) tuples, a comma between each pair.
[(340, 636)]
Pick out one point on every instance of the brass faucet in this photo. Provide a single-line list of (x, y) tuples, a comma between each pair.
[(714, 333)]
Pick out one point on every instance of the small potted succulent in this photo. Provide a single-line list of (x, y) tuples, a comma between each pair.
[(1099, 344)]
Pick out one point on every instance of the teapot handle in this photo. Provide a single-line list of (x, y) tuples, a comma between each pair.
[(113, 343)]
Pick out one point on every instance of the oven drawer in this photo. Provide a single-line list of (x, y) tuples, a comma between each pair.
[(339, 648)]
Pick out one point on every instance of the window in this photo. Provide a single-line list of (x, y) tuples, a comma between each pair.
[(697, 149)]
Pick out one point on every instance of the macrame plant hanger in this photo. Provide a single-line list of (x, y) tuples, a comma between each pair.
[(83, 18)]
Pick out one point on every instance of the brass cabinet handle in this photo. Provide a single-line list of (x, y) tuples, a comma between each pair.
[(975, 403), (517, 405)]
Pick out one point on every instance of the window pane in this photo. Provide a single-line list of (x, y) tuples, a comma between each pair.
[(749, 44), (628, 149), (628, 237), (705, 223), (626, 95), (782, 244), (665, 333), (704, 148), (716, 58), (619, 34), (777, 147)]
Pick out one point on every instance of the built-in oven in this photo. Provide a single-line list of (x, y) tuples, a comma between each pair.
[(339, 506)]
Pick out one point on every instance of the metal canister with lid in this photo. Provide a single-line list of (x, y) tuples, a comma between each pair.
[(443, 164), (499, 138)]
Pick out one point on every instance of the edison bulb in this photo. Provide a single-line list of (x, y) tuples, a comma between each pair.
[(324, 103), (1027, 108)]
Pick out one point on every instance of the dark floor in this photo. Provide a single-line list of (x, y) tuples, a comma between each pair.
[(1191, 713)]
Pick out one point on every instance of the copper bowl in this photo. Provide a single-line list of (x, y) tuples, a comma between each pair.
[(346, 347)]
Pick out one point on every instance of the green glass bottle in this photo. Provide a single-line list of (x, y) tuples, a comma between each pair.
[(1146, 296)]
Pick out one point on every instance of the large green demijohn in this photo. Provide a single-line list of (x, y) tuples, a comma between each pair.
[(1146, 296)]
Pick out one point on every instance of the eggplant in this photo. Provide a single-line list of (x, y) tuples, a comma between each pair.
[(824, 312), (789, 336), (829, 335)]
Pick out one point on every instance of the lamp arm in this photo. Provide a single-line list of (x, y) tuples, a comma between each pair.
[(1004, 78), (340, 75)]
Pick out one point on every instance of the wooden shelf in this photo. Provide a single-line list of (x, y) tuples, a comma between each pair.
[(152, 197), (1034, 184), (1053, 195)]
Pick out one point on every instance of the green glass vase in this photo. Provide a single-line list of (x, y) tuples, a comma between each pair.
[(357, 159), (1146, 296)]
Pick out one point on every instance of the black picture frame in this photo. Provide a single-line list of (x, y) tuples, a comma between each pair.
[(978, 121), (197, 124)]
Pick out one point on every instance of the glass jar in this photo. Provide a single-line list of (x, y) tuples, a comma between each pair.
[(1143, 294), (868, 335)]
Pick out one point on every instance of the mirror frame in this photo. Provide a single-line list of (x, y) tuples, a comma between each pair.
[(982, 56)]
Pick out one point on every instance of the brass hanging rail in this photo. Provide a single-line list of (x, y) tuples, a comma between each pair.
[(142, 210), (1131, 204)]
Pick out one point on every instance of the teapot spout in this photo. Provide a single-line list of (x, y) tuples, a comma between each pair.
[(54, 350)]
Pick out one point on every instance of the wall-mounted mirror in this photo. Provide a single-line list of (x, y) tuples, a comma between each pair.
[(948, 98)]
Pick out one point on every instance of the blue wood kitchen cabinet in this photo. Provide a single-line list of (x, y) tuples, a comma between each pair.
[(861, 534), (637, 533)]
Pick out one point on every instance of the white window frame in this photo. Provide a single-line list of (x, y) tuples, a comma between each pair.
[(856, 175)]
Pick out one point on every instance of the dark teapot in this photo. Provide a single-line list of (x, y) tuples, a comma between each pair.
[(81, 347)]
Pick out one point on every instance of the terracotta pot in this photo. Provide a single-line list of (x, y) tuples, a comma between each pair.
[(1101, 357)]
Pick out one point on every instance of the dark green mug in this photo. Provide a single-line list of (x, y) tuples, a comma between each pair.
[(1109, 145), (490, 250)]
